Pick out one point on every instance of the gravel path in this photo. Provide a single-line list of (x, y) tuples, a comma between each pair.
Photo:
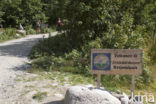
[(13, 58)]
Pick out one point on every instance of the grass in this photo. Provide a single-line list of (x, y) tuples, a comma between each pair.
[(51, 81), (153, 70), (73, 67), (67, 75), (39, 96), (153, 85), (9, 33), (66, 78), (75, 79), (63, 78), (149, 89), (25, 92)]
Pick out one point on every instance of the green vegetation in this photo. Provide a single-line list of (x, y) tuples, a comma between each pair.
[(21, 11), (13, 33), (15, 12), (61, 77), (40, 95), (49, 56), (10, 33), (105, 24), (99, 24)]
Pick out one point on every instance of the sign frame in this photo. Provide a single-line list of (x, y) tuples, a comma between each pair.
[(119, 51)]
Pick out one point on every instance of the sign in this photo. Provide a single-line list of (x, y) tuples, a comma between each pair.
[(116, 61)]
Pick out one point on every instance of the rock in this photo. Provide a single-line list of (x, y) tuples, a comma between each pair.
[(21, 27), (1, 32), (84, 95), (17, 34), (117, 95), (59, 95), (118, 92), (21, 31), (124, 99)]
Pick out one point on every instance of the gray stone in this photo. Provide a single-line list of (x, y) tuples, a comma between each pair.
[(17, 34), (124, 99), (21, 31), (84, 95), (118, 92), (116, 95), (21, 27), (1, 32)]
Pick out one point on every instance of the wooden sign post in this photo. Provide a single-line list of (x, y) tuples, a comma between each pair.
[(116, 61), (132, 85), (98, 80)]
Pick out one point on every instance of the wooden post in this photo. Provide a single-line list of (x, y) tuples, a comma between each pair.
[(132, 85), (98, 80)]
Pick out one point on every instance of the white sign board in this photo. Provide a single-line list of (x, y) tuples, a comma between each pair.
[(116, 61)]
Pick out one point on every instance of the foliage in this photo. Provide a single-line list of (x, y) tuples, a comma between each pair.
[(57, 45), (39, 95), (27, 12), (46, 30), (11, 11), (32, 11), (103, 19), (152, 50), (1, 13), (29, 30), (21, 11), (114, 24), (54, 9), (9, 33), (77, 61)]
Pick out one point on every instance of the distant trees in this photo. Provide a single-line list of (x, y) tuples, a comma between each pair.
[(54, 9), (119, 22), (13, 12), (1, 13), (112, 20)]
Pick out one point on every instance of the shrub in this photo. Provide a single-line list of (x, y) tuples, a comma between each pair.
[(8, 33), (64, 57), (57, 45), (39, 96), (152, 50), (30, 30), (46, 30)]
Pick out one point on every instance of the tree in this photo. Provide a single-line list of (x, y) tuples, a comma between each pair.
[(22, 11), (111, 20), (54, 9), (1, 13), (11, 11), (32, 11)]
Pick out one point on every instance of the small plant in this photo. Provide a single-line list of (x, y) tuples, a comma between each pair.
[(40, 96), (46, 30), (7, 34), (30, 30)]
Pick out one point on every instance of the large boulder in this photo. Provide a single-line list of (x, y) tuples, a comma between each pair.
[(124, 99), (84, 95), (21, 31)]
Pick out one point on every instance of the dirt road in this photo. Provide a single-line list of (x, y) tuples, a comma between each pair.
[(13, 61)]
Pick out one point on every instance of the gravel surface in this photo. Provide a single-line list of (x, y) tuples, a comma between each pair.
[(13, 61)]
